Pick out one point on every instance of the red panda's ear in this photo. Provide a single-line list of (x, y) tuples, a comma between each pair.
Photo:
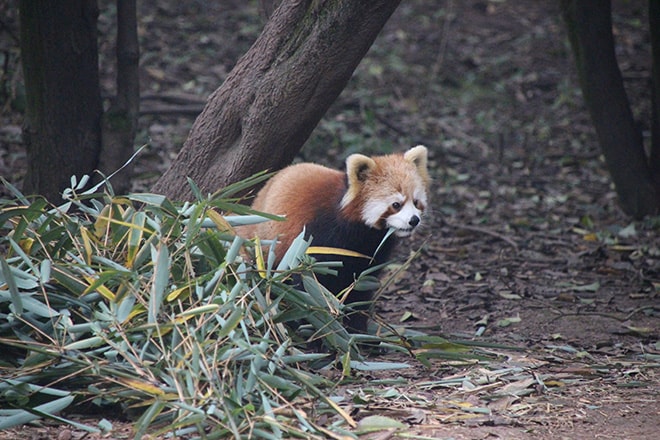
[(358, 168), (418, 156)]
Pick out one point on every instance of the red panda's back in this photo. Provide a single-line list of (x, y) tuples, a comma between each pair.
[(300, 192)]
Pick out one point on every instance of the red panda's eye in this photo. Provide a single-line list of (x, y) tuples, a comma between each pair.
[(396, 206)]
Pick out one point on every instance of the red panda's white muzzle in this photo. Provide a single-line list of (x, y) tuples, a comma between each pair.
[(404, 221)]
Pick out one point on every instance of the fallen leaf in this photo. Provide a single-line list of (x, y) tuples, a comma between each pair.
[(378, 423), (508, 321)]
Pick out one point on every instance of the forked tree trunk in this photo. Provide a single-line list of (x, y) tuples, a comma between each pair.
[(589, 26), (279, 90), (62, 129)]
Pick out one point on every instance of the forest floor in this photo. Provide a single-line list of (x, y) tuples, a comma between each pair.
[(524, 247)]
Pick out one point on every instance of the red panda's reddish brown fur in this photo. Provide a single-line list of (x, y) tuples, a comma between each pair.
[(297, 192)]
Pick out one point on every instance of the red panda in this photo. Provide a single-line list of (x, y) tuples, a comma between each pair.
[(351, 210)]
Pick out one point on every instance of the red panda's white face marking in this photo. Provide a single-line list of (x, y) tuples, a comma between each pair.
[(399, 212), (387, 191)]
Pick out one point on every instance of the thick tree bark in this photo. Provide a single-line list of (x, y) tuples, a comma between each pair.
[(278, 91), (62, 131), (120, 121), (589, 26)]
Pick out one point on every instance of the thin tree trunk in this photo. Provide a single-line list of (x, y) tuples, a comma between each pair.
[(120, 121), (63, 113), (278, 91), (654, 26), (589, 26)]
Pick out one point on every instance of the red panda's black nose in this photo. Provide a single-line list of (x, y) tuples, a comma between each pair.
[(414, 221)]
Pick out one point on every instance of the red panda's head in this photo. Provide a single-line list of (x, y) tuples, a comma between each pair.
[(387, 191)]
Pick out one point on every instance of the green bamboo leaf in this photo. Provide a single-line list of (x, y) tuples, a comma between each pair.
[(388, 234), (144, 251), (321, 296), (113, 265), (231, 323), (68, 280), (377, 366), (143, 423), (64, 421), (135, 236), (279, 383), (13, 190), (201, 310), (270, 419), (248, 219), (9, 279), (106, 276), (22, 279), (197, 193), (83, 328), (156, 200), (161, 259), (44, 271), (194, 224), (19, 251), (94, 341), (304, 357), (238, 187), (295, 252), (23, 416), (367, 283), (125, 308), (32, 305), (105, 425), (234, 249)]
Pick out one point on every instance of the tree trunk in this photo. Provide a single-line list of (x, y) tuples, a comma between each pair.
[(654, 26), (62, 131), (589, 25), (120, 121), (278, 91)]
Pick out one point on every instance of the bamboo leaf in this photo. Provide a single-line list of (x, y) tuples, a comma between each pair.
[(147, 418), (231, 323), (87, 244), (135, 237), (376, 366), (378, 423), (94, 341), (32, 305), (8, 278), (161, 259), (219, 221), (154, 200), (44, 271), (140, 385), (325, 250), (259, 258), (292, 256), (23, 416)]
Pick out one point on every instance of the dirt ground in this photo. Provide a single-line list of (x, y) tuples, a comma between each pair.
[(525, 245)]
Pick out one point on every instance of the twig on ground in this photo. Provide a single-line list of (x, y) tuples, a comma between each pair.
[(486, 231)]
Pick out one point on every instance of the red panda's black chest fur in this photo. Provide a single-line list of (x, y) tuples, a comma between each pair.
[(330, 229)]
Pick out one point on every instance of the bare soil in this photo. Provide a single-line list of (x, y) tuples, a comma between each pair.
[(525, 245)]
